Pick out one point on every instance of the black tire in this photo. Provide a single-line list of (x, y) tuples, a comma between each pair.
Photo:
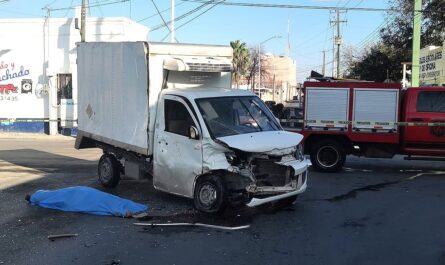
[(286, 202), (109, 171), (209, 195), (328, 156)]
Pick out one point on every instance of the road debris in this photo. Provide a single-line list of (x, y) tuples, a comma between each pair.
[(53, 237), (229, 228)]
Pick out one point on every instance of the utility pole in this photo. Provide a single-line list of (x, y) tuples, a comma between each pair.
[(415, 67), (323, 71), (338, 38), (83, 12), (172, 22)]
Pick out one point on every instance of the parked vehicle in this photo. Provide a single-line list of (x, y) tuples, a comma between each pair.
[(292, 111), (167, 109), (370, 119)]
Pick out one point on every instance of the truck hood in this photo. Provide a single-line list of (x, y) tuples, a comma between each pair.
[(262, 142)]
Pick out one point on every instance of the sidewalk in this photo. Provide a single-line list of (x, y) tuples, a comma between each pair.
[(20, 135)]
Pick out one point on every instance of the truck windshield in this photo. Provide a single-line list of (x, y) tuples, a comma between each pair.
[(236, 115)]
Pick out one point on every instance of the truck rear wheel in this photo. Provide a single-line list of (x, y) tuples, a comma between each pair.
[(209, 195), (328, 156), (109, 171)]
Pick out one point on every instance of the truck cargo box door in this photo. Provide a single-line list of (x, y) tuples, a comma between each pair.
[(326, 108), (375, 110), (177, 157)]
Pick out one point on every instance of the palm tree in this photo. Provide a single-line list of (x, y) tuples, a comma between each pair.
[(240, 62)]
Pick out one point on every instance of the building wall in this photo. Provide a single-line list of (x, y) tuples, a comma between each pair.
[(281, 74), (33, 52)]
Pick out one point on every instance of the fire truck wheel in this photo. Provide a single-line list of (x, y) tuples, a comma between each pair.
[(109, 171), (209, 195), (328, 156)]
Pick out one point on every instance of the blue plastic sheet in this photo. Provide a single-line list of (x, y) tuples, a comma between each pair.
[(86, 200)]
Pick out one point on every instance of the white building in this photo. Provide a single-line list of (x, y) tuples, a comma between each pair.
[(38, 75)]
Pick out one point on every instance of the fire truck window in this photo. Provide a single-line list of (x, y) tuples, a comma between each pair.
[(431, 101), (177, 118)]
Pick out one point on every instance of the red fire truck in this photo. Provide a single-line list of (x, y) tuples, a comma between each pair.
[(370, 119)]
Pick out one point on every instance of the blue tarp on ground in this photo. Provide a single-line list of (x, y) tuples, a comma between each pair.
[(86, 200)]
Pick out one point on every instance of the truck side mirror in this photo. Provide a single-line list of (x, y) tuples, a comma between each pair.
[(193, 133)]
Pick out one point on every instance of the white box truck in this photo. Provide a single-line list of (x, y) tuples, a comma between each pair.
[(168, 109)]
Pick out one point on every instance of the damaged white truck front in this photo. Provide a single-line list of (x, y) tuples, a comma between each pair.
[(168, 109)]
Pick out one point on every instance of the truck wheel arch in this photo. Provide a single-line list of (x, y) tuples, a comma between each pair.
[(234, 186)]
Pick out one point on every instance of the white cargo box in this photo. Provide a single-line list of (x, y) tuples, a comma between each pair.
[(375, 109), (113, 93), (326, 108), (119, 85)]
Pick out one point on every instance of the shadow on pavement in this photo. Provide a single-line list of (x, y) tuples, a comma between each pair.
[(46, 162)]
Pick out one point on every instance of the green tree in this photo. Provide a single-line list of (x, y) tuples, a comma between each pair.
[(395, 45), (240, 62)]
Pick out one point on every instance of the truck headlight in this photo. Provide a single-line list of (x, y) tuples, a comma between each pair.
[(231, 157)]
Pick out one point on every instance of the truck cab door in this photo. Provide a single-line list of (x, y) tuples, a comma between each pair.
[(425, 105), (177, 156)]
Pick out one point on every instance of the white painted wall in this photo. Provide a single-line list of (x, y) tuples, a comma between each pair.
[(36, 50)]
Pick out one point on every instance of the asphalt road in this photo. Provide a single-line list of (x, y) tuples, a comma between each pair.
[(376, 211)]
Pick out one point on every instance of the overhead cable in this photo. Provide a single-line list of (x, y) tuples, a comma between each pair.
[(206, 3), (290, 6)]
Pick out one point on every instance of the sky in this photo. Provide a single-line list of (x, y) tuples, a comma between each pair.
[(306, 31)]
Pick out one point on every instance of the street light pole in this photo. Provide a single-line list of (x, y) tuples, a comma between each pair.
[(259, 57)]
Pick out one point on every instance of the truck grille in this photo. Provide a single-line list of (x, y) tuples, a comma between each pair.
[(269, 173)]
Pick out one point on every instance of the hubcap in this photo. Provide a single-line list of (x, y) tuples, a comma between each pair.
[(105, 170), (207, 194), (328, 156)]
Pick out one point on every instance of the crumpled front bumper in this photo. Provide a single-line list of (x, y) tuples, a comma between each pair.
[(297, 187)]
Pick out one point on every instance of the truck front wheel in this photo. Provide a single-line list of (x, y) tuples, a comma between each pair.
[(109, 171), (328, 156), (209, 195)]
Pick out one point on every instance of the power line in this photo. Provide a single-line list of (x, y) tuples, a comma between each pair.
[(160, 15), (202, 13), (186, 14), (163, 11), (289, 6), (102, 3)]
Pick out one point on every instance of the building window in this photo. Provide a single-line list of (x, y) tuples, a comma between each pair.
[(64, 87), (431, 101)]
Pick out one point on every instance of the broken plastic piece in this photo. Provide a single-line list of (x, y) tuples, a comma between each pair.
[(52, 237), (231, 228)]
